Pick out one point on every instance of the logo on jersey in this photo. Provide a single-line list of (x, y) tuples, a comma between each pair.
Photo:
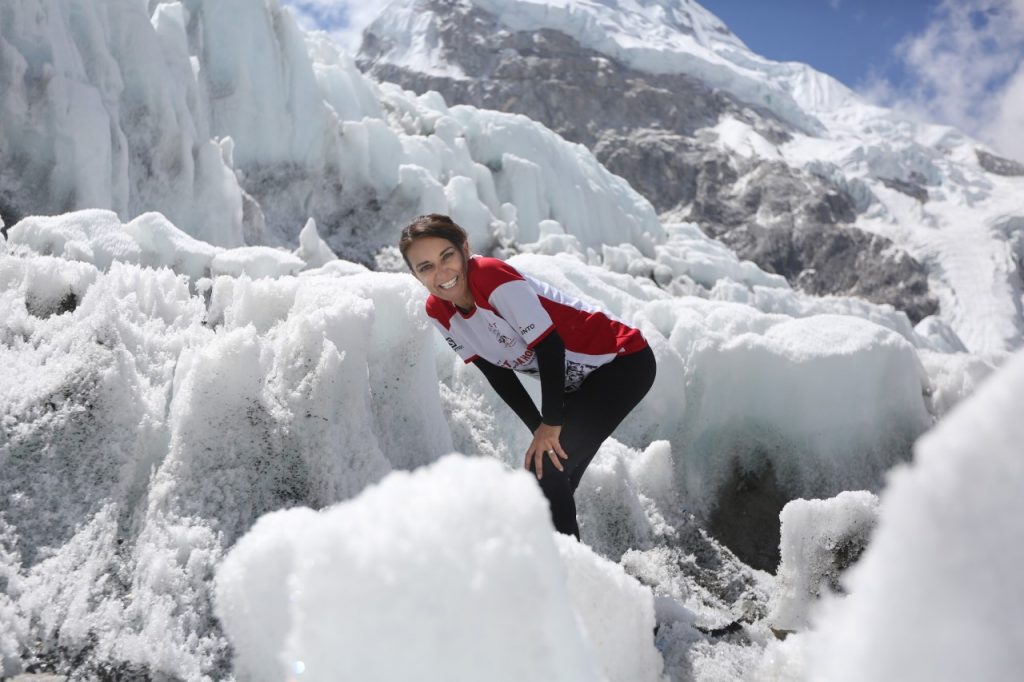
[(504, 340), (527, 329), (519, 362), (575, 373), (451, 342)]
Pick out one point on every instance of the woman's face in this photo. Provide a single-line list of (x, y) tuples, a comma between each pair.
[(441, 267)]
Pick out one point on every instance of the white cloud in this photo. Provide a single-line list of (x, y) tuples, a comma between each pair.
[(965, 69), (344, 20), (834, 4)]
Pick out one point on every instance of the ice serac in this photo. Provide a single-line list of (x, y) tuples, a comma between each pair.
[(99, 109), (781, 162), (232, 122)]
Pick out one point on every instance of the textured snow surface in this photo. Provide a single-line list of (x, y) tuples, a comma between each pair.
[(937, 595), (451, 572), (820, 538), (149, 419), (168, 378), (144, 430)]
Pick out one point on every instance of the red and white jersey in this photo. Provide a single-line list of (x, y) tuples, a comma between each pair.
[(514, 312)]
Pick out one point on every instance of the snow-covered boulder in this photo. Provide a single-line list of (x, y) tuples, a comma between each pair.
[(451, 572), (98, 237), (820, 540), (256, 262)]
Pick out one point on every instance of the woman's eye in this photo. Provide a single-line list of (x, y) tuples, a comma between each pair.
[(425, 268), (446, 256)]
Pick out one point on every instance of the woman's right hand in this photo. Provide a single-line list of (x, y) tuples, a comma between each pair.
[(545, 442)]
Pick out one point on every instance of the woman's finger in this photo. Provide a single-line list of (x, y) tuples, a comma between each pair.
[(554, 459)]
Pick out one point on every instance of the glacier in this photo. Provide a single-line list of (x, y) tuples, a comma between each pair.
[(228, 453)]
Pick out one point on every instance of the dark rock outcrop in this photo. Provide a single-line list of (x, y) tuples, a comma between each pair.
[(999, 165), (825, 261), (911, 189)]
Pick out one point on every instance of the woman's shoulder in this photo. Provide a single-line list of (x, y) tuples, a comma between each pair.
[(439, 309), (487, 274)]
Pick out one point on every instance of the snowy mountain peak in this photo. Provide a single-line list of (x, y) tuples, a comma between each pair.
[(654, 23), (651, 36)]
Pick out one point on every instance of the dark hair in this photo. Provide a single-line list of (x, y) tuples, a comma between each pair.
[(431, 225)]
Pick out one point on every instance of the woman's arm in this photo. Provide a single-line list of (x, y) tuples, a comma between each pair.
[(508, 388), (551, 360)]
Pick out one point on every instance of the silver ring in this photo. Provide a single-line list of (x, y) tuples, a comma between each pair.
[(549, 452)]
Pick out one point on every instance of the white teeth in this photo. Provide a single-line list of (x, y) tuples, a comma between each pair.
[(449, 284)]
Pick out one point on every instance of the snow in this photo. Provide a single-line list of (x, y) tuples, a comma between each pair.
[(199, 384), (175, 418), (92, 236), (312, 249), (820, 538), (183, 122), (959, 234), (953, 234), (231, 375), (656, 36), (448, 582), (256, 262), (933, 597), (176, 402), (739, 137), (108, 92), (271, 108)]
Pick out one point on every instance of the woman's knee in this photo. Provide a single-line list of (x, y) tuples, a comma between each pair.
[(552, 481)]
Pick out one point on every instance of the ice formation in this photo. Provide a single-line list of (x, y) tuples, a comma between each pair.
[(935, 595), (820, 540), (258, 394), (167, 387), (452, 572)]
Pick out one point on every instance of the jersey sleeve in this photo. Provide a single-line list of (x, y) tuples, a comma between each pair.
[(439, 317), (517, 302), (462, 349)]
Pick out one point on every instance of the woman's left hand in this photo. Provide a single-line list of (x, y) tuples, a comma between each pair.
[(545, 443)]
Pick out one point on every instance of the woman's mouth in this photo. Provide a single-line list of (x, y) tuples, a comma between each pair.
[(449, 284)]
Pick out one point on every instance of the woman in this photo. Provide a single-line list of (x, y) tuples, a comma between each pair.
[(593, 368)]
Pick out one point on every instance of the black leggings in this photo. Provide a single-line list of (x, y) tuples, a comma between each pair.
[(591, 413)]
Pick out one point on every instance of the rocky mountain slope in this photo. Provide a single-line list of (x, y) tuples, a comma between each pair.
[(782, 163)]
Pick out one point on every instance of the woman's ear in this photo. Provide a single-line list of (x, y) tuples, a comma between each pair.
[(465, 249)]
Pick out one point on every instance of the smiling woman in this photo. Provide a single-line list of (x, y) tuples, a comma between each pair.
[(593, 368)]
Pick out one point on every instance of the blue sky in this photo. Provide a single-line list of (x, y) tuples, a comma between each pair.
[(852, 40), (958, 62)]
